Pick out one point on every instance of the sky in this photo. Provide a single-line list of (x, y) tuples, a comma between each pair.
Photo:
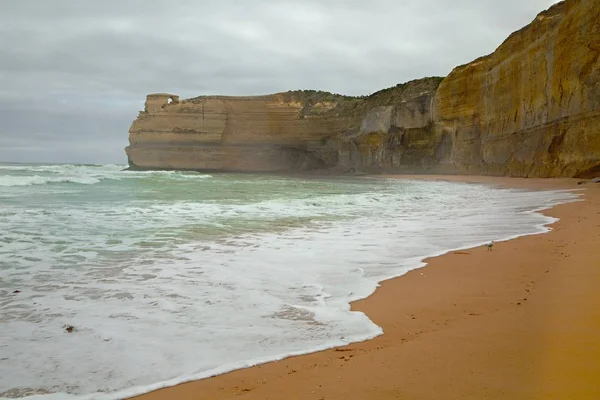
[(75, 73)]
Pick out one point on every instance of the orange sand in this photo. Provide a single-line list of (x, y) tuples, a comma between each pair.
[(519, 322)]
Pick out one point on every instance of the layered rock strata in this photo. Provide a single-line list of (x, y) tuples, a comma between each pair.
[(531, 108), (267, 133)]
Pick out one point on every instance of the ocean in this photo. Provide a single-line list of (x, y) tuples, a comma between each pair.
[(169, 276)]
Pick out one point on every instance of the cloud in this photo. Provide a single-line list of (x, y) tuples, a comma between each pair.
[(74, 74)]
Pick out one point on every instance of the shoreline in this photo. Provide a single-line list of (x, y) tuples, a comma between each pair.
[(272, 379)]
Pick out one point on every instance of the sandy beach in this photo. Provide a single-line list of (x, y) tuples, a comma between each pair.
[(519, 322)]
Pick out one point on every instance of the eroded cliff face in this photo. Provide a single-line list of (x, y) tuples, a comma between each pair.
[(395, 131), (299, 130), (532, 108), (265, 133)]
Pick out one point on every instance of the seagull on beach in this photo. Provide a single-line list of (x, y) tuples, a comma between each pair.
[(490, 245)]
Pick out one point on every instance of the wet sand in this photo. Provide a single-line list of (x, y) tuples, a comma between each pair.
[(519, 322)]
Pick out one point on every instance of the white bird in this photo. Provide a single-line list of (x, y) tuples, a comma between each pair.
[(490, 245)]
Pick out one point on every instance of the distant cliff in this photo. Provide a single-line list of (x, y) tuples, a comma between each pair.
[(532, 108)]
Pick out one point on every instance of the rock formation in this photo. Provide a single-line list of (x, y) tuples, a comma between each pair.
[(265, 133), (531, 108)]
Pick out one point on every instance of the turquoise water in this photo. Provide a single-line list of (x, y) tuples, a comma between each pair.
[(172, 276)]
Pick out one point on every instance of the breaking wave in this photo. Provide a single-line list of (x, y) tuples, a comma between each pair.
[(29, 175), (8, 180), (241, 269)]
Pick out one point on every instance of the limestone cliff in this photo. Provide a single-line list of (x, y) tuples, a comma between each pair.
[(532, 108), (262, 133), (297, 130)]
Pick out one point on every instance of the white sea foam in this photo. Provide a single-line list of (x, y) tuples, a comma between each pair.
[(63, 168), (79, 174), (8, 181), (165, 287)]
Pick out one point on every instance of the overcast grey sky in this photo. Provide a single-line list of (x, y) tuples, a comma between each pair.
[(74, 73)]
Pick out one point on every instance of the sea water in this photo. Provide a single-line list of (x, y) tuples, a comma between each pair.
[(172, 276)]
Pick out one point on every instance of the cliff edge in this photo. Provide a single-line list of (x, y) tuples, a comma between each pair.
[(531, 108)]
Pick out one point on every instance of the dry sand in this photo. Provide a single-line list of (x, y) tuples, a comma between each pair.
[(519, 322)]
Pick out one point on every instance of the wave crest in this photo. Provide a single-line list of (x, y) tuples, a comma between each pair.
[(11, 180)]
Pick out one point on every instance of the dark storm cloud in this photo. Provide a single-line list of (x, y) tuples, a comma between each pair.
[(73, 74)]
